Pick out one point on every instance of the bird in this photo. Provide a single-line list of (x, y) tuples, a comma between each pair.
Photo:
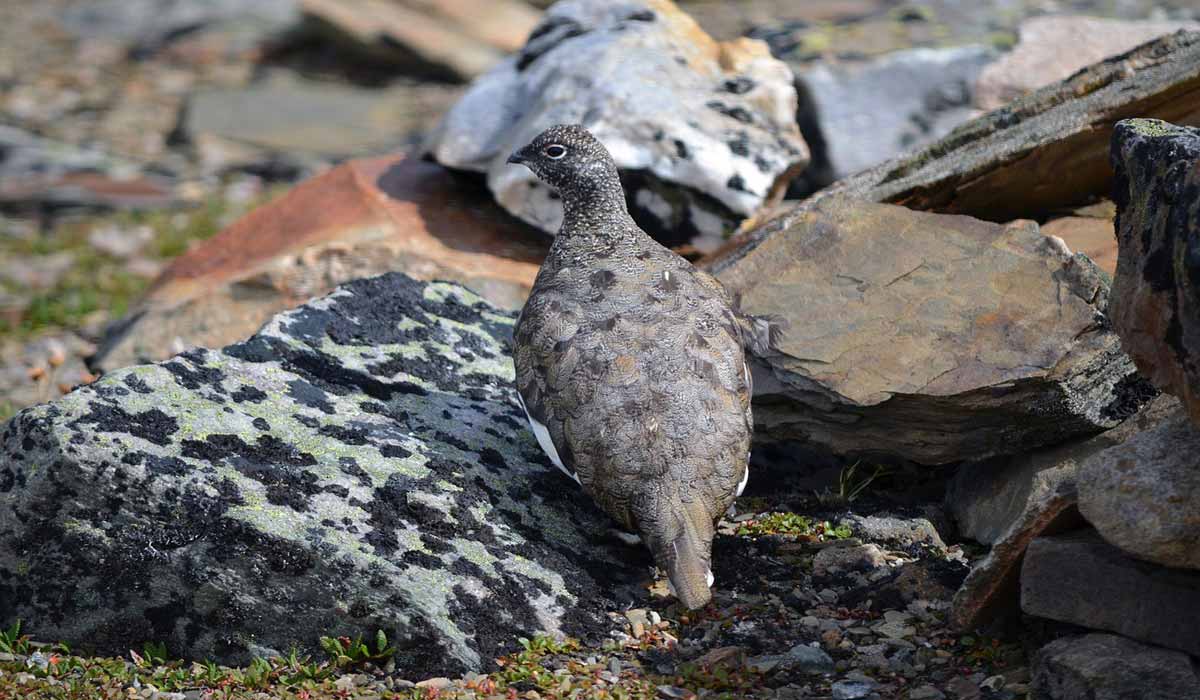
[(630, 366)]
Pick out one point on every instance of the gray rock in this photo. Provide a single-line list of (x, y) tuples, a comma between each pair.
[(1052, 48), (838, 560), (359, 464), (147, 24), (873, 110), (1013, 162), (1144, 494), (801, 658), (306, 121), (1108, 667), (1156, 305), (927, 337), (1081, 579), (894, 531), (987, 498), (704, 133), (851, 690), (991, 589), (40, 171)]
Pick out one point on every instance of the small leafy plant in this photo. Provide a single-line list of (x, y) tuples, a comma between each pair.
[(347, 652)]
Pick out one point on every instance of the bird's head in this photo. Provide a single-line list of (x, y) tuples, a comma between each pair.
[(568, 158)]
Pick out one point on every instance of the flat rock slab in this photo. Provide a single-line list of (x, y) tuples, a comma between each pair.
[(1038, 154), (360, 464), (703, 132), (1081, 579), (361, 218), (1109, 667), (869, 111), (1156, 301), (1009, 501), (448, 39), (1052, 48), (985, 498), (928, 337), (1143, 495)]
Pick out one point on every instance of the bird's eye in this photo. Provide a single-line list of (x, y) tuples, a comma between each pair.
[(555, 152)]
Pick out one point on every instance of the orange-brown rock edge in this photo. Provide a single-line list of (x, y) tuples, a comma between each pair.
[(361, 218)]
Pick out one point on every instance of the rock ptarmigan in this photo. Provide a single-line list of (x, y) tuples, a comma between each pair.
[(630, 366)]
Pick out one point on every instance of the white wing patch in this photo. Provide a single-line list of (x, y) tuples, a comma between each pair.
[(745, 478), (543, 437)]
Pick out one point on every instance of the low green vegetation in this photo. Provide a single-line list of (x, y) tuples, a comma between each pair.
[(95, 282), (794, 525)]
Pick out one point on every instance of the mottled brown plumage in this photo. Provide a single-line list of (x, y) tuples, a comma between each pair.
[(629, 362)]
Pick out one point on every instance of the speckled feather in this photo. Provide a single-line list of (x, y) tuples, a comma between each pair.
[(633, 361)]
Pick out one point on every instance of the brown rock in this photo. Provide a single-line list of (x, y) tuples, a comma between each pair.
[(927, 337), (453, 38), (1091, 236), (1039, 154), (359, 219), (1144, 494), (1081, 579), (1156, 291), (1052, 48)]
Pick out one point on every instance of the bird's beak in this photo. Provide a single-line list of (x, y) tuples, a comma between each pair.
[(517, 157)]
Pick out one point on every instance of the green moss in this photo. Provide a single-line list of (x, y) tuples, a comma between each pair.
[(1155, 128), (96, 282)]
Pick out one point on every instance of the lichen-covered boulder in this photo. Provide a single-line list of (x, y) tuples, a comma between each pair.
[(1156, 291), (703, 132), (360, 464)]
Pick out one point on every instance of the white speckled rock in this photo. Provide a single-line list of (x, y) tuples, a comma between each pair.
[(704, 132)]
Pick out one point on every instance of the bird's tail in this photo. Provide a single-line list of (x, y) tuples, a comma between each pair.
[(687, 560)]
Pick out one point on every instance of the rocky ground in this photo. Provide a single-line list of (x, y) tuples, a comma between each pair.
[(973, 380)]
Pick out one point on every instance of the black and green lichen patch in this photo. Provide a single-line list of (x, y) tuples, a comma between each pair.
[(360, 464)]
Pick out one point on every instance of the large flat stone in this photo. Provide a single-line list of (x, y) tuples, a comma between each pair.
[(454, 39), (1081, 579), (360, 464), (986, 498), (928, 337), (362, 218), (1156, 300), (1052, 48), (1039, 154), (1108, 667), (871, 110), (1143, 495)]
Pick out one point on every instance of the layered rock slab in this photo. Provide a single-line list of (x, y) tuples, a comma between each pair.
[(1038, 154), (359, 464), (703, 132), (1009, 501), (1051, 48), (1144, 494), (1109, 667), (1156, 301), (361, 218), (927, 337), (1081, 579)]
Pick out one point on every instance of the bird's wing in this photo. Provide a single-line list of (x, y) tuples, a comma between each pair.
[(529, 360)]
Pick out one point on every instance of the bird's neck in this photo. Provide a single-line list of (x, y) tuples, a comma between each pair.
[(597, 206)]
